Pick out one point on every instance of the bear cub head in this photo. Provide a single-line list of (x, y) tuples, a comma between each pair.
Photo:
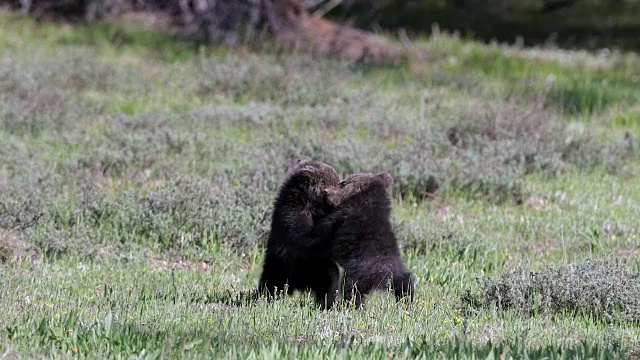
[(355, 186), (312, 177)]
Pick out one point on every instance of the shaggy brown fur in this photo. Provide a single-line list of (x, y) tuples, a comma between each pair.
[(361, 238), (295, 258)]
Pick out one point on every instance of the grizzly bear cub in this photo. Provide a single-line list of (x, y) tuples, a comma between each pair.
[(294, 257), (360, 237)]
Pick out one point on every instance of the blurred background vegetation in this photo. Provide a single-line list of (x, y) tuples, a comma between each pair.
[(567, 23)]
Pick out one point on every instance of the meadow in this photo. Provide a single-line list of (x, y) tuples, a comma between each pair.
[(138, 171)]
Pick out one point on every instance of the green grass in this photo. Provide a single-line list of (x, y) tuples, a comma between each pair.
[(138, 173)]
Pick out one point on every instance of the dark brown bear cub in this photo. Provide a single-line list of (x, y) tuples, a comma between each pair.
[(361, 237), (294, 257)]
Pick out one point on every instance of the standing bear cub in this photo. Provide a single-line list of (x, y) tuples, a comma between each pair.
[(295, 257), (361, 238)]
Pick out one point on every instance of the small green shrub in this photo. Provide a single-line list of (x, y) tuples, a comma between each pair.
[(604, 290)]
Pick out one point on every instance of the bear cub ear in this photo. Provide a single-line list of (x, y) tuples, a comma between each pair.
[(387, 178)]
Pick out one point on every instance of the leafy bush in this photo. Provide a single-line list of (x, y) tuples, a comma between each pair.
[(604, 290)]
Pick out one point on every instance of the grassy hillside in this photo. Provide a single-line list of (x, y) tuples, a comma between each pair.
[(137, 174)]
